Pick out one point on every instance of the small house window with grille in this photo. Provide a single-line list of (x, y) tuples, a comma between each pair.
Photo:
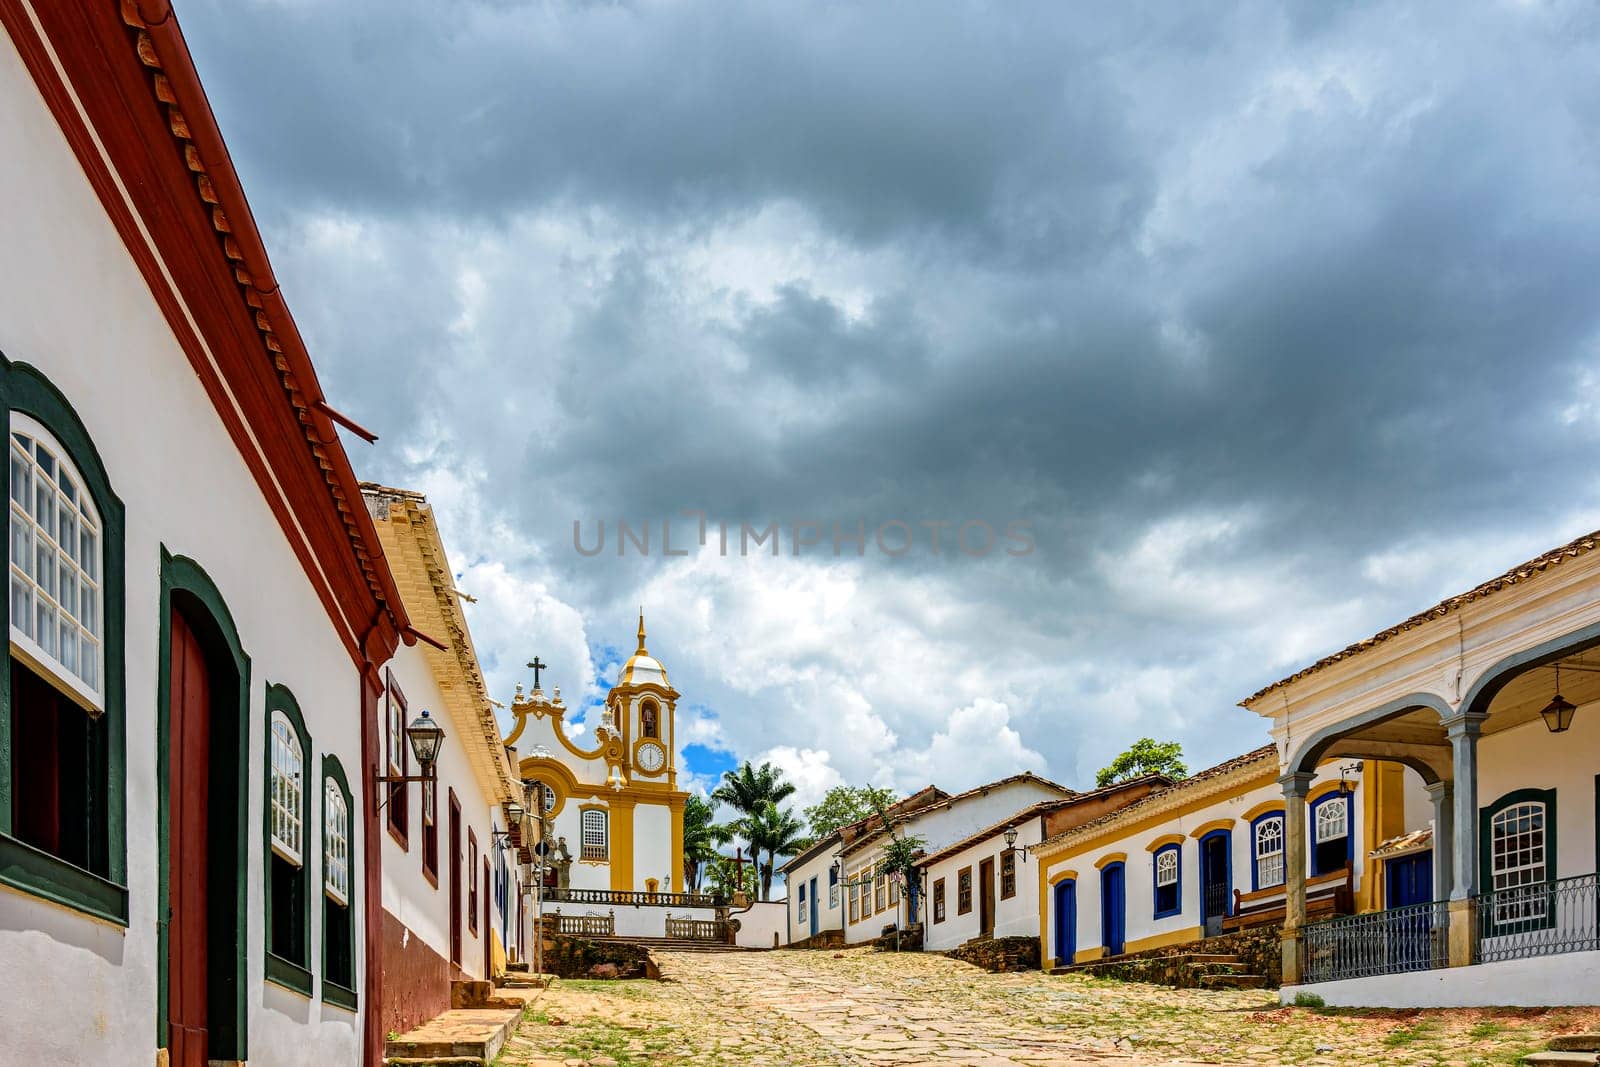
[(1269, 851), (938, 900), (596, 839), (1167, 882), (1008, 875), (963, 890)]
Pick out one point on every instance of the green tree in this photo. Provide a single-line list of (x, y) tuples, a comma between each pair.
[(1145, 756), (746, 789), (701, 836), (723, 874), (845, 804), (775, 831)]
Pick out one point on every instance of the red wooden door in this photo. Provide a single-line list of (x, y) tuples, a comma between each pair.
[(190, 733)]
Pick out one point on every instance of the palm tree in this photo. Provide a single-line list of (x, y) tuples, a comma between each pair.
[(775, 831), (747, 788), (701, 837)]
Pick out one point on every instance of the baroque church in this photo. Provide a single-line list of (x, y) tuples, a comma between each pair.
[(612, 812)]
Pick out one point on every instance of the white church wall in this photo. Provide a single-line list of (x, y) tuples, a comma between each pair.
[(652, 847), (73, 304)]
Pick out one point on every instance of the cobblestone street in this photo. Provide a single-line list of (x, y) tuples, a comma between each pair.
[(860, 1007)]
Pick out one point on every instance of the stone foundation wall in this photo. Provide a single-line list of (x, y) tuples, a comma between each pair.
[(1000, 954), (1258, 950), (910, 940), (577, 957), (833, 939)]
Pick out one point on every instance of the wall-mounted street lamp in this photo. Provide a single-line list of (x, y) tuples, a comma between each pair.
[(1011, 843), (426, 737), (502, 838)]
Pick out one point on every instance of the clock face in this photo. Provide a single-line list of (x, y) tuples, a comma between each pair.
[(651, 757)]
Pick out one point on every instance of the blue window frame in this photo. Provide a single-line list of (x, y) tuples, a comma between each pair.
[(1267, 850), (1332, 844), (1167, 874)]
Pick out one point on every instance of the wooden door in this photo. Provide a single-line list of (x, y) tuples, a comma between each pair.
[(1113, 909), (986, 897), (1216, 876), (1066, 912), (189, 711), (488, 952), (455, 879)]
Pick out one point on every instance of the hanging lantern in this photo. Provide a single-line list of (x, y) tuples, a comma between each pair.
[(1558, 713)]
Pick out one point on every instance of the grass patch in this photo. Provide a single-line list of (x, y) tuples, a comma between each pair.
[(1401, 1036), (1309, 1000), (1486, 1029)]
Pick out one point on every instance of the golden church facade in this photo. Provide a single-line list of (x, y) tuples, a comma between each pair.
[(611, 809)]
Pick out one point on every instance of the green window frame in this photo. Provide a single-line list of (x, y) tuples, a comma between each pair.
[(1528, 906), (101, 893), (286, 885), (339, 917)]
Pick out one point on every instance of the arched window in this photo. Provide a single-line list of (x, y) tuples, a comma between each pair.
[(1267, 836), (338, 889), (596, 836), (1168, 891), (62, 812), (1518, 834), (288, 877), (1330, 833), (647, 720)]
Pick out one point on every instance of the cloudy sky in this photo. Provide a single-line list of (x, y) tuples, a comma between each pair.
[(1274, 324)]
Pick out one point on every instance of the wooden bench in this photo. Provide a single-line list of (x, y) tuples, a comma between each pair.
[(1327, 895)]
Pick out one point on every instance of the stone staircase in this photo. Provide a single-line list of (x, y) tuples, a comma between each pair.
[(480, 1021), (1568, 1049), (1186, 970)]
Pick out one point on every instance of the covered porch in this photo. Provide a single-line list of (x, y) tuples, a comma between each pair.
[(1493, 698)]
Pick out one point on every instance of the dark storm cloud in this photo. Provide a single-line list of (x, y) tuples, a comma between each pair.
[(1317, 278)]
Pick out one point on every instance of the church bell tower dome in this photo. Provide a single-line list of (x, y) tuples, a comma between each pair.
[(642, 668)]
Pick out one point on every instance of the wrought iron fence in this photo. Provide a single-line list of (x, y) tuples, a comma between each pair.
[(1539, 920), (614, 897), (586, 925), (1415, 937), (698, 929)]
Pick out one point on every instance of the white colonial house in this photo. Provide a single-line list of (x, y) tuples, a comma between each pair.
[(873, 902), (1207, 856), (199, 612), (1492, 697), (984, 885), (450, 880)]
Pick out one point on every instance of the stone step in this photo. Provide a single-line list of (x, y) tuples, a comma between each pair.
[(1549, 1059), (1233, 981), (1574, 1043), (464, 1036)]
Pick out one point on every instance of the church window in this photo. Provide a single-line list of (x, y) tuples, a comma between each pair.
[(963, 890), (1268, 834), (1330, 833), (938, 900), (648, 720), (62, 830), (288, 888), (338, 920), (596, 839), (398, 754), (1008, 875)]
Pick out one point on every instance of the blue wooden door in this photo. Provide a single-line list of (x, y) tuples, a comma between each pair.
[(813, 907), (1410, 880), (1066, 913), (1113, 909)]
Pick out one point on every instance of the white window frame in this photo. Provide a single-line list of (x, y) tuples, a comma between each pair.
[(1519, 885), (1274, 857), (336, 838), (1166, 867), (82, 563), (1328, 827), (599, 828), (288, 791)]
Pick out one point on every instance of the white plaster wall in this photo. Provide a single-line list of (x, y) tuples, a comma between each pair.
[(830, 911), (765, 924), (1547, 981), (1531, 757), (407, 894), (643, 920), (1016, 917), (652, 846), (939, 829), (73, 304), (1140, 867)]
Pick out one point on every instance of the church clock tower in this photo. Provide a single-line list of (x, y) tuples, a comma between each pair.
[(642, 708)]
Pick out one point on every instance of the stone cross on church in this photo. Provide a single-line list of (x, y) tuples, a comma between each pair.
[(537, 667)]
